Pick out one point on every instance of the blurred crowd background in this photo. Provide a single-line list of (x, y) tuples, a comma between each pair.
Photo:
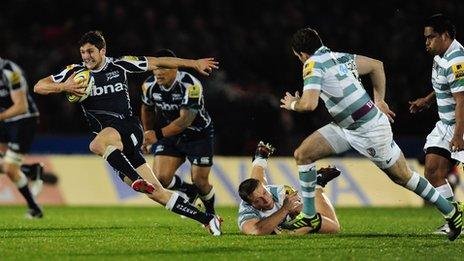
[(250, 39)]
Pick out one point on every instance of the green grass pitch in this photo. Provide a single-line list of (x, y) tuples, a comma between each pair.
[(144, 233)]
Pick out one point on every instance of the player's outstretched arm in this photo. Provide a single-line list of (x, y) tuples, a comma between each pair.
[(204, 66), (374, 68), (307, 102), (421, 103), (47, 85)]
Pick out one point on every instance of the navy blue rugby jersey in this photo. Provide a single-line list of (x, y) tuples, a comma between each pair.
[(109, 98), (185, 92), (12, 79)]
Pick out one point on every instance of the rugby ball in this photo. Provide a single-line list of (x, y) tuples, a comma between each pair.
[(85, 78)]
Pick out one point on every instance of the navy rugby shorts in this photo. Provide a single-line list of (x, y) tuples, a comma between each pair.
[(198, 149), (18, 134)]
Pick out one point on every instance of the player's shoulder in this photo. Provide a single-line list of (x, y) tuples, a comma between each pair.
[(75, 66), (148, 85), (314, 62), (150, 80), (344, 57), (186, 78), (10, 66), (277, 191), (455, 57), (246, 208)]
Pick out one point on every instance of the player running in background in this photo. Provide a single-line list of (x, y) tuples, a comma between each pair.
[(265, 208), (448, 88), (181, 128), (18, 122), (359, 123), (118, 135)]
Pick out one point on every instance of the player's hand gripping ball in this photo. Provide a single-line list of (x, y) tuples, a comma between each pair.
[(85, 78)]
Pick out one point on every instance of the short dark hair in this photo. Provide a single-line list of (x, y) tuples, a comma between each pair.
[(165, 53), (306, 40), (441, 24), (93, 37), (246, 188)]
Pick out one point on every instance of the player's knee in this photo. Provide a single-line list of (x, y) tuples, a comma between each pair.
[(434, 174), (97, 147), (301, 157)]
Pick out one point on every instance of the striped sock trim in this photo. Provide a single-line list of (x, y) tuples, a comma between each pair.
[(172, 201), (308, 194), (434, 197), (446, 191), (426, 191), (413, 182), (172, 183), (307, 167), (209, 195), (260, 162), (308, 184)]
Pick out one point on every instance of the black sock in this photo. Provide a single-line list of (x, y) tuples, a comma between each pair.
[(182, 207), (32, 171), (26, 169), (189, 189), (28, 196), (118, 161), (209, 204)]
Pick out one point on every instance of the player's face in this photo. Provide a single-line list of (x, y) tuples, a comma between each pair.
[(434, 42), (91, 56), (165, 76), (262, 199)]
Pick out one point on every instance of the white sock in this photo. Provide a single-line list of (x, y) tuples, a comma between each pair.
[(260, 162), (446, 191), (209, 195), (22, 180), (172, 201), (171, 184)]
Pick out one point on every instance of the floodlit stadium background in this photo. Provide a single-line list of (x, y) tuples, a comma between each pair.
[(250, 39)]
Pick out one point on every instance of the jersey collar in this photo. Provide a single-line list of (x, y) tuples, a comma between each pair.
[(322, 49), (173, 83), (103, 67), (453, 46)]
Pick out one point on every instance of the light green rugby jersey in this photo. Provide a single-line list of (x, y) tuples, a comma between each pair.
[(278, 192), (336, 76), (448, 78)]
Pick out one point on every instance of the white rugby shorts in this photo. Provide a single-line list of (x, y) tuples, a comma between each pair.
[(440, 136), (373, 139)]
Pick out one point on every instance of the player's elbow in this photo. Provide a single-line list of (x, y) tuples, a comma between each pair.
[(378, 66), (38, 88), (22, 108), (41, 86), (309, 105)]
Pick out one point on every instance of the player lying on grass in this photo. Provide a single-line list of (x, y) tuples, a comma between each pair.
[(265, 209)]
